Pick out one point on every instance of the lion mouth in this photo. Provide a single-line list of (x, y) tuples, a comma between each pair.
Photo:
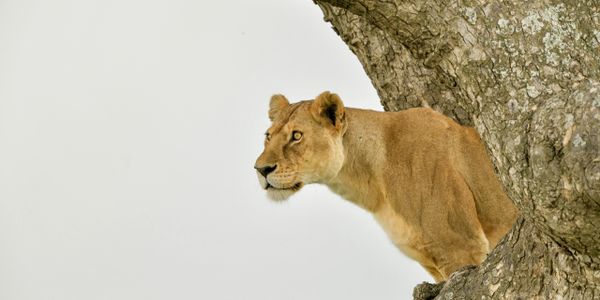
[(294, 187)]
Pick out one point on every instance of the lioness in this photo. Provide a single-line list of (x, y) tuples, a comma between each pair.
[(426, 179)]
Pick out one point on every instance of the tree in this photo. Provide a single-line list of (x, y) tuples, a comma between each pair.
[(526, 75)]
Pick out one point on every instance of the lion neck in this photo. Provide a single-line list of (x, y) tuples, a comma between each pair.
[(360, 178)]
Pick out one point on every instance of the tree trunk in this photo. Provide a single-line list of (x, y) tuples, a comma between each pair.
[(526, 75)]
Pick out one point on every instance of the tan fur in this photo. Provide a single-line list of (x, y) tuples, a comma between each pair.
[(426, 179)]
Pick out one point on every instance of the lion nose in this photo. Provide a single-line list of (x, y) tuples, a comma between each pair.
[(265, 170)]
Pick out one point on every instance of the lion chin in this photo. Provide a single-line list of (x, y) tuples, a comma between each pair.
[(281, 194)]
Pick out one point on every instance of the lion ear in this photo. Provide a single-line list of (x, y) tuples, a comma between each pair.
[(330, 108), (276, 105)]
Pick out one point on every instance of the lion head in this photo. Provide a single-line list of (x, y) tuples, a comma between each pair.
[(303, 144)]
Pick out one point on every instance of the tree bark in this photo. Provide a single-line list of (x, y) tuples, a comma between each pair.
[(526, 75)]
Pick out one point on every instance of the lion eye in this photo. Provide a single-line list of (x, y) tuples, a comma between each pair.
[(296, 135)]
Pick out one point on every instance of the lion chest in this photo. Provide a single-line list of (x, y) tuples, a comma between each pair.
[(402, 234)]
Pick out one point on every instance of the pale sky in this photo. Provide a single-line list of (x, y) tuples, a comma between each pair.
[(128, 132)]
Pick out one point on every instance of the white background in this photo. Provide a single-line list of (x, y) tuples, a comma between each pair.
[(128, 132)]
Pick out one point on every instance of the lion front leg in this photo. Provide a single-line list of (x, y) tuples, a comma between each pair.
[(455, 255)]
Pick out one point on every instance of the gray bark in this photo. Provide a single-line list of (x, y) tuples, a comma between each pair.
[(526, 75)]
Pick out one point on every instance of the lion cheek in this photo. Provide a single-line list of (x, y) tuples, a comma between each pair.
[(333, 164)]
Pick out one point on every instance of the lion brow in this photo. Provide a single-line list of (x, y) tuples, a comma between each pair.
[(292, 110), (290, 113)]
